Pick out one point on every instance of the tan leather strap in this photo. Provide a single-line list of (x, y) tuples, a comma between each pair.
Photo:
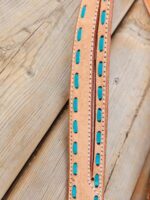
[(89, 101), (147, 3)]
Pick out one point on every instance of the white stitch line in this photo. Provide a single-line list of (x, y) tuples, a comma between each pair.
[(71, 120), (71, 102), (90, 88), (71, 107), (102, 167), (103, 105)]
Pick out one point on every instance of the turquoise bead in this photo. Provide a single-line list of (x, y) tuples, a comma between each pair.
[(101, 43), (76, 80), (75, 126), (83, 11), (75, 148), (96, 197), (75, 168), (78, 55), (74, 191), (100, 68), (98, 137), (99, 115), (100, 93), (79, 34), (97, 159), (103, 17), (75, 105), (96, 180)]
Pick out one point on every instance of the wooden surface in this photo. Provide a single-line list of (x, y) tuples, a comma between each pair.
[(35, 55)]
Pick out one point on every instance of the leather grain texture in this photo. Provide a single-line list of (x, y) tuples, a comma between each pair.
[(89, 101), (147, 3)]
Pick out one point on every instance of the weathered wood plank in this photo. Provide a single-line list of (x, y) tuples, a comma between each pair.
[(35, 54), (32, 77), (130, 72), (128, 120), (46, 175), (142, 186), (120, 8), (132, 156)]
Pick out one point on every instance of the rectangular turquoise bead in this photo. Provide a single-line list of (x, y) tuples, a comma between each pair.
[(75, 126), (100, 68), (78, 55), (98, 137), (75, 148), (83, 11), (74, 191), (75, 105), (101, 43), (103, 17), (100, 92), (99, 115)]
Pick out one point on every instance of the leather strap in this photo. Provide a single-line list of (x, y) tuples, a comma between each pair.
[(147, 3), (89, 101)]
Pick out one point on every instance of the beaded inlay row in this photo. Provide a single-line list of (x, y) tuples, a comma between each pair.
[(99, 113), (76, 84)]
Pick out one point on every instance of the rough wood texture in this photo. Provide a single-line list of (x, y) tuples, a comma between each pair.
[(132, 156), (36, 41), (130, 75), (46, 175), (36, 45), (129, 114)]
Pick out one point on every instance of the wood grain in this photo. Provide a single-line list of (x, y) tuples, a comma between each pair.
[(129, 116), (35, 54), (32, 76), (130, 73), (132, 156)]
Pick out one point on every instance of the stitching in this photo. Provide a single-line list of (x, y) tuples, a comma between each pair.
[(102, 166), (102, 169), (90, 89), (89, 101), (71, 120)]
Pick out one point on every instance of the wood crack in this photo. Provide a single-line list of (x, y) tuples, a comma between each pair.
[(129, 130)]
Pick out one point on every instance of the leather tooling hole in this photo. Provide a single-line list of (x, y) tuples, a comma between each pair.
[(75, 168), (75, 148), (97, 159), (83, 11), (98, 137), (75, 104), (79, 34), (75, 126), (99, 115), (76, 80), (100, 93), (103, 17), (100, 69), (96, 180), (78, 56), (74, 191), (96, 197), (101, 43)]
